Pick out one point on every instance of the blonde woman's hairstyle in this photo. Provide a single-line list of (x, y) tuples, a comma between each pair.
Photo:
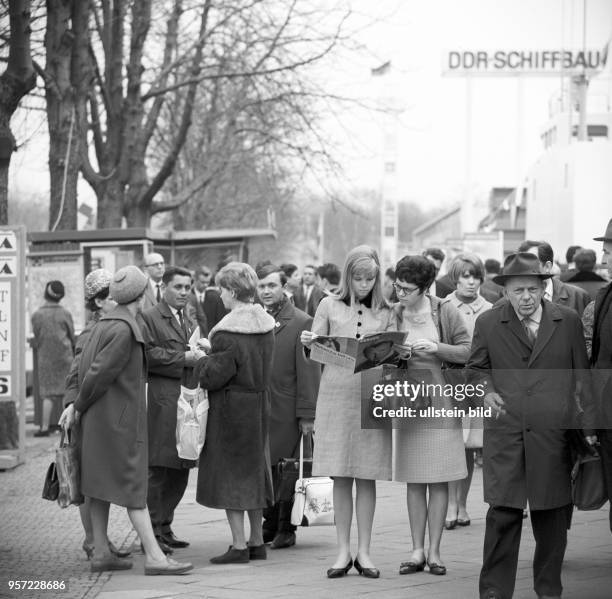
[(466, 262), (362, 260), (240, 278)]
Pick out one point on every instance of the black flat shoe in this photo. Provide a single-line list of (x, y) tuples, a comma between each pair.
[(463, 522), (436, 569), (170, 539), (340, 572), (450, 524), (165, 549), (366, 572), (232, 556), (411, 567)]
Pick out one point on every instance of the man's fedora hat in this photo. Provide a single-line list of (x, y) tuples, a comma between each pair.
[(607, 236), (522, 264)]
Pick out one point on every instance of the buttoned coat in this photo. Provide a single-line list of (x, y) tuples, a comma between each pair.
[(111, 400), (526, 452), (295, 382), (166, 345)]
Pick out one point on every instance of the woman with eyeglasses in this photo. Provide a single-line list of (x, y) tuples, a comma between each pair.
[(343, 450), (467, 273), (428, 451)]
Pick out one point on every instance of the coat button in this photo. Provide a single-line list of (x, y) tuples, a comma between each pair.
[(357, 336), (358, 324)]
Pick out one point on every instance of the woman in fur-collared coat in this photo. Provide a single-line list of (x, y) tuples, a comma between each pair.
[(234, 471)]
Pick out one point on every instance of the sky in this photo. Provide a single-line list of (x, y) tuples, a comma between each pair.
[(433, 138), (432, 135)]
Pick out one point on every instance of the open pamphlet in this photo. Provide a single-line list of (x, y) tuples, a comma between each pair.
[(358, 354)]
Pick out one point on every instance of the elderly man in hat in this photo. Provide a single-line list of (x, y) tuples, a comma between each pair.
[(601, 361), (531, 356)]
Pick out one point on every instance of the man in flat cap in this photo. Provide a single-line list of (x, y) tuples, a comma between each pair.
[(531, 356), (601, 362)]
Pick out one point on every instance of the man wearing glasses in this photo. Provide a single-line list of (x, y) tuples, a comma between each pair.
[(154, 268)]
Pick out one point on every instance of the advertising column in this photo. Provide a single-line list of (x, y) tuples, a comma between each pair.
[(12, 346)]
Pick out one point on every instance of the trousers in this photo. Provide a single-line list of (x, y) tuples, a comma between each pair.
[(501, 550), (166, 489)]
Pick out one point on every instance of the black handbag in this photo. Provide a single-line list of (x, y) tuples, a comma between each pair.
[(51, 486), (287, 473), (588, 487)]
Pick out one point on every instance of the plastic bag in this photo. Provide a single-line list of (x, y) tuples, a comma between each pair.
[(191, 419), (68, 467)]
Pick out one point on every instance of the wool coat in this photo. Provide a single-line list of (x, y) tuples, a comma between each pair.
[(295, 382), (526, 452), (569, 296), (166, 344), (111, 401), (234, 469), (54, 342), (601, 358)]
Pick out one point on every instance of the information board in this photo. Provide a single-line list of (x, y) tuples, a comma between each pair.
[(12, 346)]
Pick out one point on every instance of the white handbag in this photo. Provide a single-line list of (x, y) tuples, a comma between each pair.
[(313, 503), (191, 419)]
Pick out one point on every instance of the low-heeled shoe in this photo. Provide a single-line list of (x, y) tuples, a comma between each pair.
[(232, 556), (411, 567), (172, 568), (258, 552), (282, 540), (436, 569), (340, 572), (110, 563), (170, 539), (463, 522), (366, 572), (450, 524)]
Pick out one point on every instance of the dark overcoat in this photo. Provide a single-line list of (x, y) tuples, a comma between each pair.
[(166, 344), (295, 382), (111, 400), (526, 452), (234, 469)]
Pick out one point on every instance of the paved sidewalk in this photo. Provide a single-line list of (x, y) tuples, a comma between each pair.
[(38, 540)]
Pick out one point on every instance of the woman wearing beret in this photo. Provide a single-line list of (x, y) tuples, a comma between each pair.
[(429, 452), (112, 407), (234, 471), (54, 343), (351, 455)]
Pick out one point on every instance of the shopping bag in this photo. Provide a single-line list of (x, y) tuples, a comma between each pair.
[(191, 419), (588, 487), (68, 467), (313, 503)]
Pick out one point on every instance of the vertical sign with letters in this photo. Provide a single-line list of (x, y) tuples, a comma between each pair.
[(12, 346)]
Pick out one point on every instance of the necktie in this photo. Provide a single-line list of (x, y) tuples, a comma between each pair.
[(179, 313), (531, 335), (158, 295)]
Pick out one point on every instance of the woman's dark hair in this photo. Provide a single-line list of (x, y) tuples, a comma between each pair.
[(416, 270), (91, 305)]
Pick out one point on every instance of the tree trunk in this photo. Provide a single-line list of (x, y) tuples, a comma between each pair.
[(17, 80), (110, 204), (64, 139)]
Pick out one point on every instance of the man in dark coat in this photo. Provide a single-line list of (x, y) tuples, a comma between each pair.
[(490, 290), (586, 278), (205, 305), (293, 389), (531, 356), (166, 330), (309, 295), (601, 360), (556, 291)]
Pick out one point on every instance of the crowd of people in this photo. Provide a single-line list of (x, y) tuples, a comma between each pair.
[(505, 326)]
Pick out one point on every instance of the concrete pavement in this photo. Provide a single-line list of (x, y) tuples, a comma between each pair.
[(38, 540)]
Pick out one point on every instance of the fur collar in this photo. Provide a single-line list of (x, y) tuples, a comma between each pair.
[(249, 319)]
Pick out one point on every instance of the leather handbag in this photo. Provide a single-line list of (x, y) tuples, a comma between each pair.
[(51, 486), (313, 503), (68, 471), (288, 472), (588, 487)]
